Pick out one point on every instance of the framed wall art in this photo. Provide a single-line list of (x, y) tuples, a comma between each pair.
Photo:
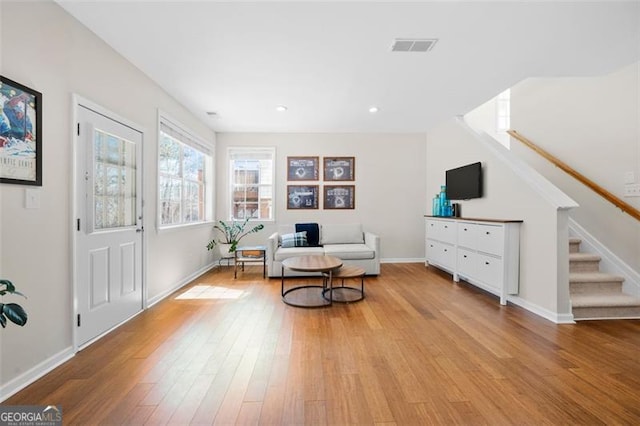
[(20, 134), (339, 168), (302, 196), (303, 168), (339, 197)]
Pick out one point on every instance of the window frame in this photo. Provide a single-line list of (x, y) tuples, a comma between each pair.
[(503, 104), (186, 138), (234, 151)]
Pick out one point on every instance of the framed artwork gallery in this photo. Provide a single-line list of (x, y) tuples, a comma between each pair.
[(336, 196), (20, 134)]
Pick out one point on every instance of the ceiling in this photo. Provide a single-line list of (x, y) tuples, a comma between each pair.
[(329, 62)]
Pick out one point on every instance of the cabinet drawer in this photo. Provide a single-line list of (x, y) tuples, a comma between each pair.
[(441, 253), (468, 235), (467, 263), (490, 239), (441, 230), (490, 270)]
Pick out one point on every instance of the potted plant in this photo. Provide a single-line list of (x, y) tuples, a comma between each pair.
[(12, 311), (230, 235)]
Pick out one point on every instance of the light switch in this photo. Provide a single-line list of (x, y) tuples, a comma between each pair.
[(629, 177), (632, 190), (32, 198)]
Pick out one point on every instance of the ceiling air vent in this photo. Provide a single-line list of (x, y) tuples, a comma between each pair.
[(413, 44)]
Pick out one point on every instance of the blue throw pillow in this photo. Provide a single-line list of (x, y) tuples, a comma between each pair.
[(298, 239), (313, 232)]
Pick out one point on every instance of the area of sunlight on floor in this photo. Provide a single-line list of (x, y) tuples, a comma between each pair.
[(202, 291)]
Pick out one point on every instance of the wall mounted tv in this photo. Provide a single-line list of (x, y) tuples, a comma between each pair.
[(465, 182)]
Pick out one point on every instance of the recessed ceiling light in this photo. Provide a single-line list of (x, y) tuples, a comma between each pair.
[(373, 109), (281, 108)]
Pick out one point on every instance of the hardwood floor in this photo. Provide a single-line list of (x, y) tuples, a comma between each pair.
[(418, 350)]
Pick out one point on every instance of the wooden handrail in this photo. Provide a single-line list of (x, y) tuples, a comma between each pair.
[(625, 207)]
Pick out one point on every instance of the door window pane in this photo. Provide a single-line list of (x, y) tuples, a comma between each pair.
[(114, 181)]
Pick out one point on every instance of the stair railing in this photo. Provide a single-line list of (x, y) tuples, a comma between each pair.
[(625, 207)]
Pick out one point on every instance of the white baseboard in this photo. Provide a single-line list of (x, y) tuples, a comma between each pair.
[(609, 263), (402, 260), (25, 379), (152, 301), (542, 312)]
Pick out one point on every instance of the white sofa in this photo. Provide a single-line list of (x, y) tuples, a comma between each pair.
[(346, 241)]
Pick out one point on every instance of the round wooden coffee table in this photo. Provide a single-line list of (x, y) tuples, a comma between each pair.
[(306, 295), (344, 293)]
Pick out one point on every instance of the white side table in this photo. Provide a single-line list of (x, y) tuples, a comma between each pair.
[(250, 254)]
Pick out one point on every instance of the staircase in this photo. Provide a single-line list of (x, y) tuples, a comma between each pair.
[(596, 295)]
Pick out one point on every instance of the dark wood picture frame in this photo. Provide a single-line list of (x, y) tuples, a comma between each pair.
[(303, 197), (339, 168), (303, 168), (20, 134), (339, 197)]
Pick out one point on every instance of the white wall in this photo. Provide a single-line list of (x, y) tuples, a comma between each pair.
[(506, 196), (593, 125), (390, 184), (485, 118), (46, 49)]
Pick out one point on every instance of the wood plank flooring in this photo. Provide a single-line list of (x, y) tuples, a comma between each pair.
[(418, 350)]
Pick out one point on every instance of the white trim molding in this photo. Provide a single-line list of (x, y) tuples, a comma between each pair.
[(403, 260), (25, 379), (540, 311), (181, 283)]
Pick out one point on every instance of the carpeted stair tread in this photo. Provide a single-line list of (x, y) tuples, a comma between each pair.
[(593, 277), (583, 257), (574, 245), (596, 295), (604, 300)]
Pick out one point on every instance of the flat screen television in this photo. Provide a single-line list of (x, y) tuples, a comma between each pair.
[(465, 182)]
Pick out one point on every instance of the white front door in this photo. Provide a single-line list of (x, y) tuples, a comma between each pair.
[(108, 258)]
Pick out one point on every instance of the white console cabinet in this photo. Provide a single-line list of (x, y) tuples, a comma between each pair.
[(483, 252)]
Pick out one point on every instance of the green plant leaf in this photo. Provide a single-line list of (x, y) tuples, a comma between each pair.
[(232, 233), (8, 287), (3, 320), (15, 313)]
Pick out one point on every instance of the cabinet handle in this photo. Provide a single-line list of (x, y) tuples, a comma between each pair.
[(488, 232), (445, 249), (465, 229), (486, 263), (445, 227), (464, 255)]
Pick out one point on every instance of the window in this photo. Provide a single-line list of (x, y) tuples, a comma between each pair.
[(251, 182), (185, 177), (503, 111), (503, 117)]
